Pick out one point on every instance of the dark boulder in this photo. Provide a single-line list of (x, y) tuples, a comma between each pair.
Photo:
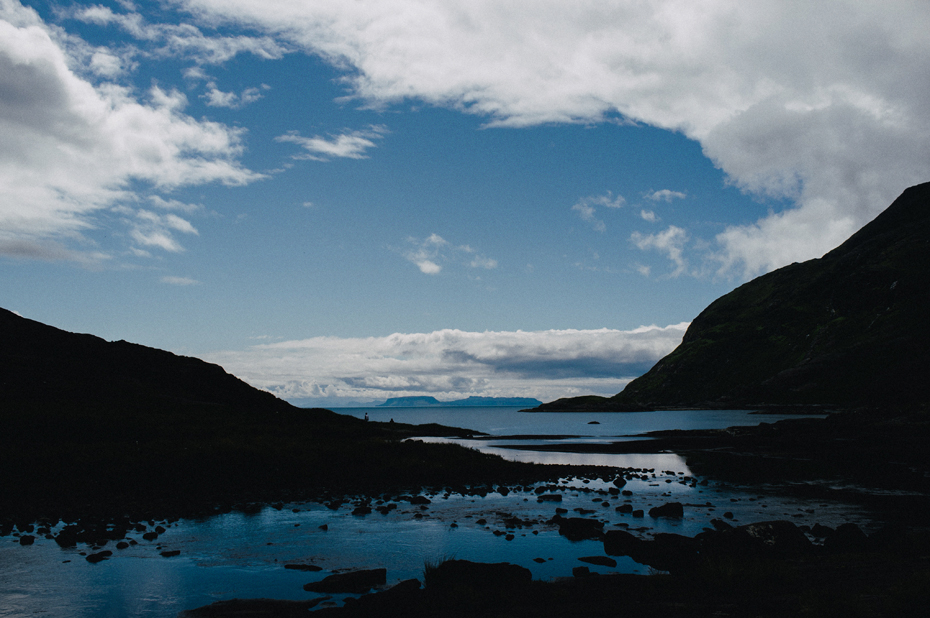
[(763, 538), (599, 560), (394, 601), (673, 510), (579, 528), (666, 552), (480, 576), (99, 556), (303, 567), (354, 582)]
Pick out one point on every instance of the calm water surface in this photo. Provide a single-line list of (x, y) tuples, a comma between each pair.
[(240, 555)]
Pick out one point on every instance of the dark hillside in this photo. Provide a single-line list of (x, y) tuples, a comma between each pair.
[(41, 364), (849, 329), (93, 425)]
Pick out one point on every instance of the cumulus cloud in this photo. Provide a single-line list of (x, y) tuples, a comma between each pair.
[(648, 215), (217, 98), (430, 253), (349, 145), (452, 364), (671, 242), (665, 195), (72, 148), (824, 103)]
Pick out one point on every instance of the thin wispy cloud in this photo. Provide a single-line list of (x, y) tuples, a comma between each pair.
[(181, 281), (451, 364), (430, 254), (152, 230), (183, 40), (665, 195), (349, 145), (586, 208)]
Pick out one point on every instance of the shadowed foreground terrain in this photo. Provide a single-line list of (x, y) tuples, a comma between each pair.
[(90, 425)]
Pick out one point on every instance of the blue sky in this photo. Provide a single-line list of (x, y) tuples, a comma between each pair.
[(344, 202)]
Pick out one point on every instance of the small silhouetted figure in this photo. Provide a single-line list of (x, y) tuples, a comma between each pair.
[(366, 416), (392, 420)]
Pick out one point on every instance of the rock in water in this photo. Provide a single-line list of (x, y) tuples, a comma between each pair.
[(355, 582)]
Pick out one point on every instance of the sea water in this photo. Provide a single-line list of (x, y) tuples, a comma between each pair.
[(240, 555)]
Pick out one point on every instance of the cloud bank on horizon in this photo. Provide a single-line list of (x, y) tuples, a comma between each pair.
[(117, 136), (452, 364)]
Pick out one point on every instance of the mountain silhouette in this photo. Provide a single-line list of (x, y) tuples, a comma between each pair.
[(849, 329)]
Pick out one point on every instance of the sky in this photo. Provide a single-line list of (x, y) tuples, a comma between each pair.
[(342, 202)]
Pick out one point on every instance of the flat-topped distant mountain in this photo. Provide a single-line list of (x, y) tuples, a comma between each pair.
[(849, 329), (432, 402)]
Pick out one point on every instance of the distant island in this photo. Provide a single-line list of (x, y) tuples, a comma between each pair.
[(432, 402)]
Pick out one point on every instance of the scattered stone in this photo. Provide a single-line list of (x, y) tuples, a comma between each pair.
[(579, 528), (27, 539), (99, 556), (599, 560), (303, 567), (581, 571), (482, 577), (171, 553), (673, 510), (353, 582)]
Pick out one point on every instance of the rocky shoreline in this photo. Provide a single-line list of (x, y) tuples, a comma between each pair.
[(767, 568)]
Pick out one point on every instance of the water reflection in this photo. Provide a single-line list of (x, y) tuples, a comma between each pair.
[(238, 555)]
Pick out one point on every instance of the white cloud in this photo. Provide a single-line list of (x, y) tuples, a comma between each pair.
[(451, 364), (826, 103), (72, 148), (218, 98), (648, 215), (183, 40), (671, 242), (430, 253), (483, 262), (182, 281), (665, 195), (350, 145), (585, 208), (150, 229)]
